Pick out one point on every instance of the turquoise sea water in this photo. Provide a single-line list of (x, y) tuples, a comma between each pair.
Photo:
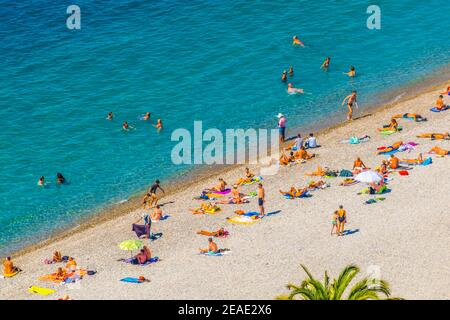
[(216, 61)]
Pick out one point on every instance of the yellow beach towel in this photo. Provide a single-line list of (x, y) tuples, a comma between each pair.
[(41, 291), (242, 220), (9, 275)]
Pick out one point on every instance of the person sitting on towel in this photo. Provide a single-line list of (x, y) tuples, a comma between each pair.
[(392, 126), (248, 177), (394, 162), (71, 264), (358, 166), (156, 215), (285, 160), (303, 155), (56, 256), (221, 186), (212, 247), (8, 267), (236, 195), (439, 151), (311, 142), (440, 103), (61, 274)]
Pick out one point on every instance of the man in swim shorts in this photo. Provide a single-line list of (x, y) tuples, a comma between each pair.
[(350, 99), (261, 199), (282, 126), (394, 162)]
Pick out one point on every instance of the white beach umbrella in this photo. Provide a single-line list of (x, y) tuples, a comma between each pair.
[(369, 176)]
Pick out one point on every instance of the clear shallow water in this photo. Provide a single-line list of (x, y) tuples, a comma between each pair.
[(216, 61)]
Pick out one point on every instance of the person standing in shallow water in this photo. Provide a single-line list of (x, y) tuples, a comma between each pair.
[(326, 64), (284, 76), (291, 71), (282, 127)]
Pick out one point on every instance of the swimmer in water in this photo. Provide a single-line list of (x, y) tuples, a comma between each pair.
[(125, 126), (284, 76), (41, 181), (351, 100), (60, 178), (158, 125), (291, 89), (110, 116), (351, 73), (291, 71), (325, 64), (146, 116), (296, 41)]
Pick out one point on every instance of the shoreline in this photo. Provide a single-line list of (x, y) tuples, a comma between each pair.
[(380, 234), (195, 176)]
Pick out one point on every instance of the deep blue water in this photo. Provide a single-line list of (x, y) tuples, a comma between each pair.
[(216, 61)]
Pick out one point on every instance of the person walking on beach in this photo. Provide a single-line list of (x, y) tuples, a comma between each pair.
[(261, 199), (151, 193), (351, 100), (341, 220), (282, 127)]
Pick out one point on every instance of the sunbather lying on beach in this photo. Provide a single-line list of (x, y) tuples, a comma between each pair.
[(439, 151), (294, 192), (433, 136), (8, 267), (302, 154), (320, 172), (206, 207), (219, 233), (418, 160), (212, 247), (248, 177), (313, 185), (393, 126), (394, 146), (414, 116)]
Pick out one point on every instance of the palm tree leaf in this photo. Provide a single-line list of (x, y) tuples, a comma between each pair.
[(344, 279), (369, 289)]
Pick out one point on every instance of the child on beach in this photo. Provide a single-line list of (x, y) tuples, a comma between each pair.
[(261, 199), (334, 220)]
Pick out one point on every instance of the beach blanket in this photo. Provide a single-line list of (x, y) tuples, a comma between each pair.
[(226, 233), (356, 140), (226, 191), (374, 200), (41, 291), (231, 201), (70, 276), (131, 260), (348, 182), (10, 275), (434, 109)]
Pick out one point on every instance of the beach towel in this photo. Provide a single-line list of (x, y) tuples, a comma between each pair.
[(226, 191), (434, 109), (131, 280), (374, 200), (348, 182), (221, 252), (10, 275), (427, 161), (254, 180), (345, 173), (41, 291), (403, 173), (152, 260)]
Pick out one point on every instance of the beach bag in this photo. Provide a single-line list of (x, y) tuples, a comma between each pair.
[(345, 173)]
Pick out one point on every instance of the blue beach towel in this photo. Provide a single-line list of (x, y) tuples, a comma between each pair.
[(443, 109), (131, 280)]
